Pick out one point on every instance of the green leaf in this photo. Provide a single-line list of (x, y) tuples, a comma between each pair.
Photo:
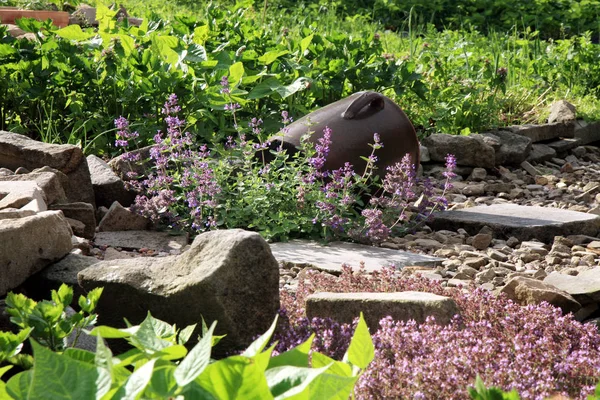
[(185, 334), (361, 350), (338, 368), (73, 32), (108, 332), (128, 44), (3, 393), (18, 386), (64, 377), (136, 383), (197, 359), (88, 303), (297, 85), (259, 344), (164, 45), (173, 352), (304, 43), (332, 387), (201, 34), (236, 72), (235, 377), (11, 344), (7, 50), (80, 355), (288, 381), (162, 383), (297, 357), (271, 56), (264, 89)]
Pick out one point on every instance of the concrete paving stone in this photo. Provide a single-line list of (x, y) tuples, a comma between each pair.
[(522, 222), (159, 241), (330, 258)]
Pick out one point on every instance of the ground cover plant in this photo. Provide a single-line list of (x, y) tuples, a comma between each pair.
[(68, 85), (533, 349)]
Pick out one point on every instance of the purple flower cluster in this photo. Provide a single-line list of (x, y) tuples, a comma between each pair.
[(123, 132), (534, 349)]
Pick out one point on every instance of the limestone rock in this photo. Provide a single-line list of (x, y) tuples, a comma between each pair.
[(513, 149), (29, 244), (585, 287), (83, 212), (229, 276), (525, 290), (20, 151), (118, 218), (562, 111), (122, 166), (469, 150), (26, 194), (108, 187), (401, 306), (135, 240), (47, 180), (538, 133), (540, 153)]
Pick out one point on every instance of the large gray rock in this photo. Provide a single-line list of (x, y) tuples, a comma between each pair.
[(587, 132), (20, 151), (29, 244), (135, 240), (522, 222), (562, 111), (401, 306), (329, 258), (539, 133), (526, 291), (83, 212), (513, 149), (540, 153), (471, 150), (25, 194), (229, 276), (584, 287), (118, 218), (108, 187)]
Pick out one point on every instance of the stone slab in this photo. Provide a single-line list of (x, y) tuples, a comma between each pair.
[(587, 132), (584, 287), (135, 240), (538, 133), (19, 194), (564, 145), (330, 258), (401, 306), (522, 222)]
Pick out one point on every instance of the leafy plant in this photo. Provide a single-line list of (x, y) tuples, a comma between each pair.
[(160, 367)]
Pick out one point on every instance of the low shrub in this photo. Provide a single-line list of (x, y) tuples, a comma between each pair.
[(533, 349), (196, 187)]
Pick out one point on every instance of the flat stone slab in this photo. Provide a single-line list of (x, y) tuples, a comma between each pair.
[(135, 240), (522, 222), (584, 287), (330, 258), (401, 306)]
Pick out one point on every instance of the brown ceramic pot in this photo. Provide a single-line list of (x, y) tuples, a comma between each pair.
[(353, 122)]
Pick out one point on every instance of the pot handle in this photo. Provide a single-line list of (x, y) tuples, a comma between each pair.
[(372, 99)]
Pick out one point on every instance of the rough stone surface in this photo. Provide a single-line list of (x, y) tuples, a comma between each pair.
[(10, 213), (20, 194), (540, 153), (562, 111), (330, 258), (401, 306), (522, 222), (122, 167), (587, 132), (539, 133), (159, 241), (563, 145), (513, 149), (20, 151), (469, 150), (585, 287), (29, 244), (118, 218), (108, 187), (83, 212), (228, 275), (48, 181), (525, 290)]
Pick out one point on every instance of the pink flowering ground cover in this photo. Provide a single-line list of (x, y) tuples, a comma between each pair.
[(533, 349)]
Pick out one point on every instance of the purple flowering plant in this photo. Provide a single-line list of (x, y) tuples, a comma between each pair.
[(248, 183)]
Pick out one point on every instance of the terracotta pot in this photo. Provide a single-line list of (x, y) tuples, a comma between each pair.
[(8, 15), (353, 121)]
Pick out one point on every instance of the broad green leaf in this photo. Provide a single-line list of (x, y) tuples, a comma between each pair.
[(259, 344), (174, 352), (304, 43), (196, 360), (185, 334), (73, 32), (64, 377), (319, 360), (7, 50), (297, 85), (80, 355), (136, 383), (288, 381), (361, 350), (201, 34), (271, 56), (18, 386), (262, 359), (3, 393), (236, 72), (103, 357), (128, 44), (164, 45), (297, 357), (196, 53), (162, 382), (331, 387), (88, 303), (11, 344), (235, 377), (264, 89), (108, 332)]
